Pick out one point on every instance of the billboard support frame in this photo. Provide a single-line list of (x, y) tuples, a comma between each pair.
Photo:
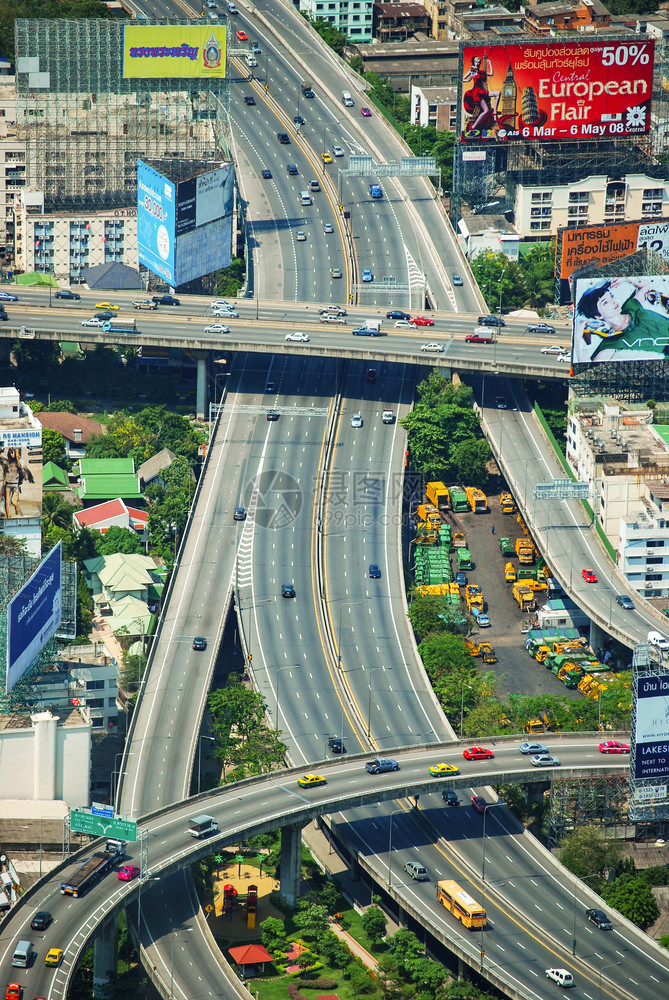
[(641, 807)]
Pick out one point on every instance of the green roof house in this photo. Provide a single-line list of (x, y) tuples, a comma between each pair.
[(106, 467), (54, 478)]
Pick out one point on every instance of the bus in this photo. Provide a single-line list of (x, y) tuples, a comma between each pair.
[(470, 913)]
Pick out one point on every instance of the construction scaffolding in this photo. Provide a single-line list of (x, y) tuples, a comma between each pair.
[(600, 802), (85, 125)]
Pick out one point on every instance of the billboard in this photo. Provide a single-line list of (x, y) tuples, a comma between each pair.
[(621, 319), (33, 616), (157, 51), (590, 89), (156, 207), (651, 739)]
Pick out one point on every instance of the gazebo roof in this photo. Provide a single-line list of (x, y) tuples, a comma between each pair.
[(250, 954)]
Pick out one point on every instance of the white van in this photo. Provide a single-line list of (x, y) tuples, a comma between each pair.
[(22, 955), (347, 99), (251, 60), (562, 977), (657, 640), (305, 198)]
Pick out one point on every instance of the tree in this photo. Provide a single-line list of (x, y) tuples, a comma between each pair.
[(118, 539), (335, 951), (169, 503), (500, 280), (336, 39), (359, 979), (471, 457), (11, 545), (374, 924), (230, 279), (273, 934), (424, 615), (61, 406), (56, 512), (53, 447), (405, 947), (444, 653), (311, 919), (586, 852), (632, 896), (327, 894)]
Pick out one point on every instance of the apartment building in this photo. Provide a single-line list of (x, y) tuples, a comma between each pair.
[(353, 17)]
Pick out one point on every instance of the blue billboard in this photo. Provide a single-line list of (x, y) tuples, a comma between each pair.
[(33, 616), (156, 216), (652, 726)]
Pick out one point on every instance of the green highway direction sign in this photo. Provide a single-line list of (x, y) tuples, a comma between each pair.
[(102, 826)]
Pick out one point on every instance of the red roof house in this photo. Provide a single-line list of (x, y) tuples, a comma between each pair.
[(113, 512)]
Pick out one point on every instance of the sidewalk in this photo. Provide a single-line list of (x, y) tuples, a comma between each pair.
[(354, 946)]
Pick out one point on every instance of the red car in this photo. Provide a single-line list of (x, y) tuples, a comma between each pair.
[(14, 991), (128, 872), (613, 746), (589, 575), (242, 36), (422, 321), (477, 753), (479, 803), (477, 338), (365, 112)]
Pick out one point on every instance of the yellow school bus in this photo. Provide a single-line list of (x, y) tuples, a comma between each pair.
[(470, 913)]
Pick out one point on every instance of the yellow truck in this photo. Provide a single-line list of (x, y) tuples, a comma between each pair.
[(536, 585), (488, 653), (459, 540), (473, 596), (438, 495), (474, 650), (477, 499), (524, 550), (510, 574), (507, 504), (525, 597), (429, 514)]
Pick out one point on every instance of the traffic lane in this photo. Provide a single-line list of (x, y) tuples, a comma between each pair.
[(367, 630), (512, 931), (287, 627), (568, 536)]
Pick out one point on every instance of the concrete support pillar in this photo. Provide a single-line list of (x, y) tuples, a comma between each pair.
[(45, 727), (597, 636), (291, 856), (105, 960), (535, 791), (202, 392), (463, 970)]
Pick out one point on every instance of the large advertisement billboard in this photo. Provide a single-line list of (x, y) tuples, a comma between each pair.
[(652, 727), (599, 245), (590, 89), (156, 208), (157, 51), (33, 616), (621, 319)]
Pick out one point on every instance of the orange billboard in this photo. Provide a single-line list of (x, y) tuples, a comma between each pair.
[(603, 244)]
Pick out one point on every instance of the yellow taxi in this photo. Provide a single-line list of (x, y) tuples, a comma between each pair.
[(311, 780), (105, 305), (440, 770), (326, 158), (53, 956)]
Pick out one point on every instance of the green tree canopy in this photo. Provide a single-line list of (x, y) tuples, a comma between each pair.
[(586, 852), (117, 539), (632, 896), (311, 919), (374, 924), (273, 934), (441, 420), (53, 447)]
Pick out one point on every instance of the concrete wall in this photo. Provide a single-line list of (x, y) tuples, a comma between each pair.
[(46, 761)]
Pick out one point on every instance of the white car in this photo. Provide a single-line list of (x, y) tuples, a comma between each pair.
[(553, 349), (217, 328), (356, 420), (657, 640), (404, 324), (301, 237), (566, 358), (337, 150), (433, 348), (328, 227), (562, 977), (220, 304), (303, 338), (226, 313), (92, 322)]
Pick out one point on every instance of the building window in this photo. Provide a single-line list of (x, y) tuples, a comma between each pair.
[(539, 196), (95, 685), (537, 226), (95, 702), (653, 193), (111, 702), (577, 197)]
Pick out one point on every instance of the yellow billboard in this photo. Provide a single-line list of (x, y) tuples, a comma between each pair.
[(157, 51)]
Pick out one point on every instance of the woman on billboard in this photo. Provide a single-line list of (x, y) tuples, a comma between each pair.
[(479, 98), (621, 319)]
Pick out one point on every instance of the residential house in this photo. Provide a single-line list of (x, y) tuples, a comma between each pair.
[(397, 21), (149, 471), (111, 578), (579, 15), (436, 106), (488, 234), (113, 513), (76, 430), (54, 479)]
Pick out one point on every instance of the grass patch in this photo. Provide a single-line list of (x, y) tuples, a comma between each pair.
[(276, 987), (351, 921)]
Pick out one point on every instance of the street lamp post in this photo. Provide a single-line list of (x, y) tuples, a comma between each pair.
[(350, 604), (255, 282), (603, 969), (390, 841), (188, 930), (291, 666), (485, 813), (369, 700), (199, 756), (462, 704)]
